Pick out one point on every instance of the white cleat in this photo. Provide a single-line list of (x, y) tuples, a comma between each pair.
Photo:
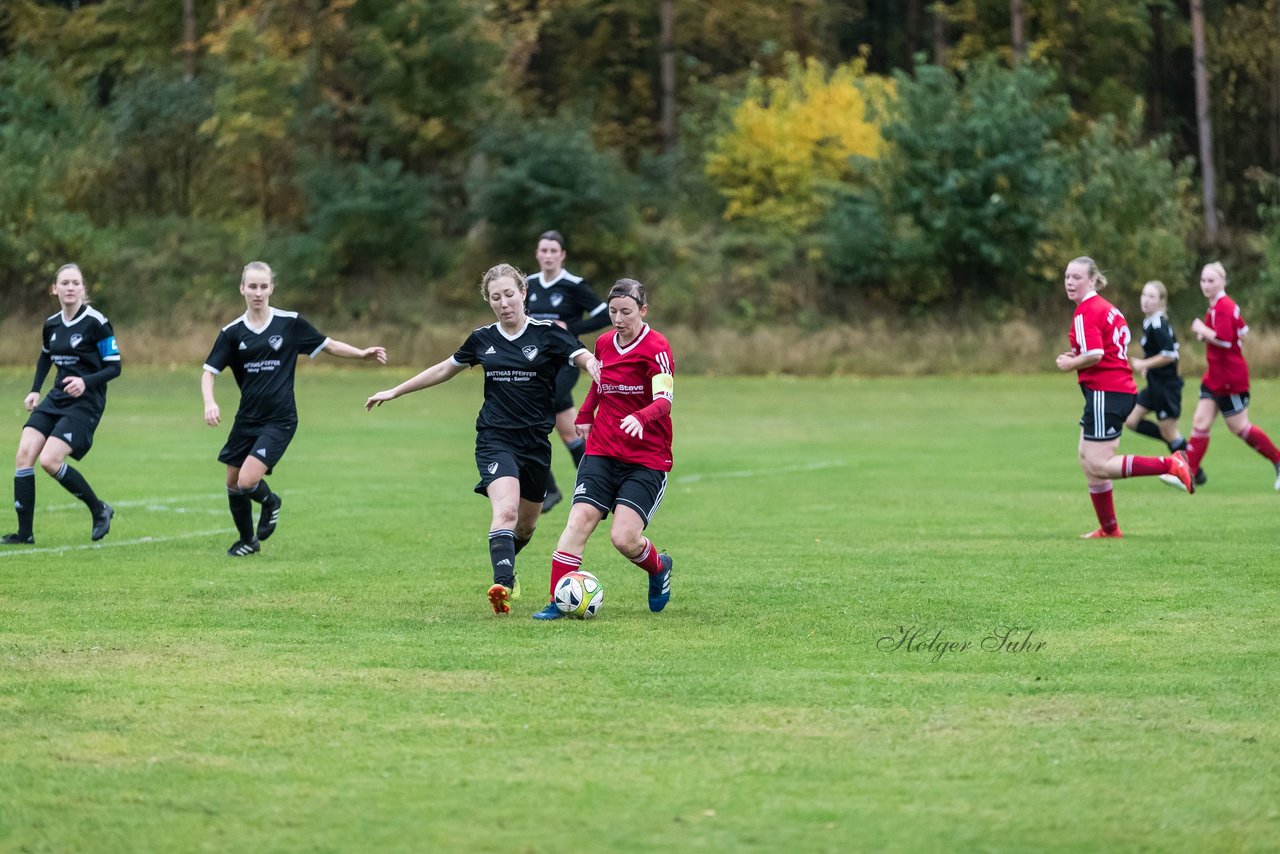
[(1170, 480)]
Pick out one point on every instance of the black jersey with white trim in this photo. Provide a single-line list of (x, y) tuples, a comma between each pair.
[(264, 362), (569, 299), (83, 347), (519, 373), (1158, 339)]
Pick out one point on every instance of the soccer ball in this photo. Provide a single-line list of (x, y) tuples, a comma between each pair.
[(579, 594)]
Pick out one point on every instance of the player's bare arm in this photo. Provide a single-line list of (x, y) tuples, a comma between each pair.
[(212, 415), (345, 351), (434, 375)]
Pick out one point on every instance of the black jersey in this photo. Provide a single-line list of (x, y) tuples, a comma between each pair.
[(1158, 340), (264, 362), (569, 299), (85, 347), (519, 373)]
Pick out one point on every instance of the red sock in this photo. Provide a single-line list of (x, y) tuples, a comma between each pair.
[(1260, 442), (648, 559), (1145, 466), (562, 563), (1197, 447), (1104, 507)]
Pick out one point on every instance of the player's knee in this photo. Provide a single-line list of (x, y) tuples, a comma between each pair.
[(1241, 428), (525, 531), (51, 462), (245, 484), (626, 541)]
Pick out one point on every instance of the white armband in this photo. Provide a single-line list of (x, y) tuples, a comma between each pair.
[(663, 385)]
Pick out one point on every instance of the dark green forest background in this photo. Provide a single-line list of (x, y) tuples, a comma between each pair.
[(806, 161)]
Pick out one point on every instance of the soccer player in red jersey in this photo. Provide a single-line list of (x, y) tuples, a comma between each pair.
[(1099, 354), (626, 420), (1225, 385)]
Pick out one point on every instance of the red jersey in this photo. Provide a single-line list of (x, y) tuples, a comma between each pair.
[(631, 378), (1099, 327), (1227, 372)]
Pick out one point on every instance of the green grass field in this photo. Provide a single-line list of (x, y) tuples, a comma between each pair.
[(350, 689)]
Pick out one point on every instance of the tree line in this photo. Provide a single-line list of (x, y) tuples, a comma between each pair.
[(750, 159)]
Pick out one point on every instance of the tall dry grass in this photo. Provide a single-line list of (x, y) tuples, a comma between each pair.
[(876, 347)]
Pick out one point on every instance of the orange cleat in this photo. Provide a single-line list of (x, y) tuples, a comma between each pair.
[(1100, 534), (1181, 469), (499, 597)]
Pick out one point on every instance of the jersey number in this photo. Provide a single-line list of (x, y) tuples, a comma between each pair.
[(1120, 337)]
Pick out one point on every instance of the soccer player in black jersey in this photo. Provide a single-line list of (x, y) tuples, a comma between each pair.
[(521, 358), (1159, 364), (567, 300), (262, 347), (79, 341)]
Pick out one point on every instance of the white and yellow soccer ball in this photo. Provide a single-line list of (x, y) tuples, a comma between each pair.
[(579, 594)]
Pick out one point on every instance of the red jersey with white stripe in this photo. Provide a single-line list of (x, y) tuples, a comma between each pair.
[(631, 378), (1227, 372), (1098, 327)]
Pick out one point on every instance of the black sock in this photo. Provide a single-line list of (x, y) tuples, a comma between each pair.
[(577, 449), (1146, 428), (521, 542), (72, 481), (551, 484), (24, 498), (502, 554), (259, 493), (1178, 444), (241, 513)]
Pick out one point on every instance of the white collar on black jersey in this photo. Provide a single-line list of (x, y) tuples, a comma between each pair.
[(503, 332), (86, 310), (271, 315), (563, 274)]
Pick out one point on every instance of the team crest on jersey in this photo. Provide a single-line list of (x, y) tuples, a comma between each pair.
[(530, 352), (556, 299), (76, 339), (492, 468), (275, 341)]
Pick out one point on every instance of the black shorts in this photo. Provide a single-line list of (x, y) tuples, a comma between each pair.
[(520, 454), (1162, 398), (604, 483), (1228, 404), (72, 425), (265, 441), (1104, 413), (565, 381)]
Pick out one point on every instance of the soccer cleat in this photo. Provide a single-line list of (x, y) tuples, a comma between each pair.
[(515, 586), (660, 585), (1278, 476), (499, 598), (270, 515), (1170, 480), (551, 612), (1179, 468), (1101, 534), (102, 521), (553, 498), (1200, 477), (16, 539), (242, 548)]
